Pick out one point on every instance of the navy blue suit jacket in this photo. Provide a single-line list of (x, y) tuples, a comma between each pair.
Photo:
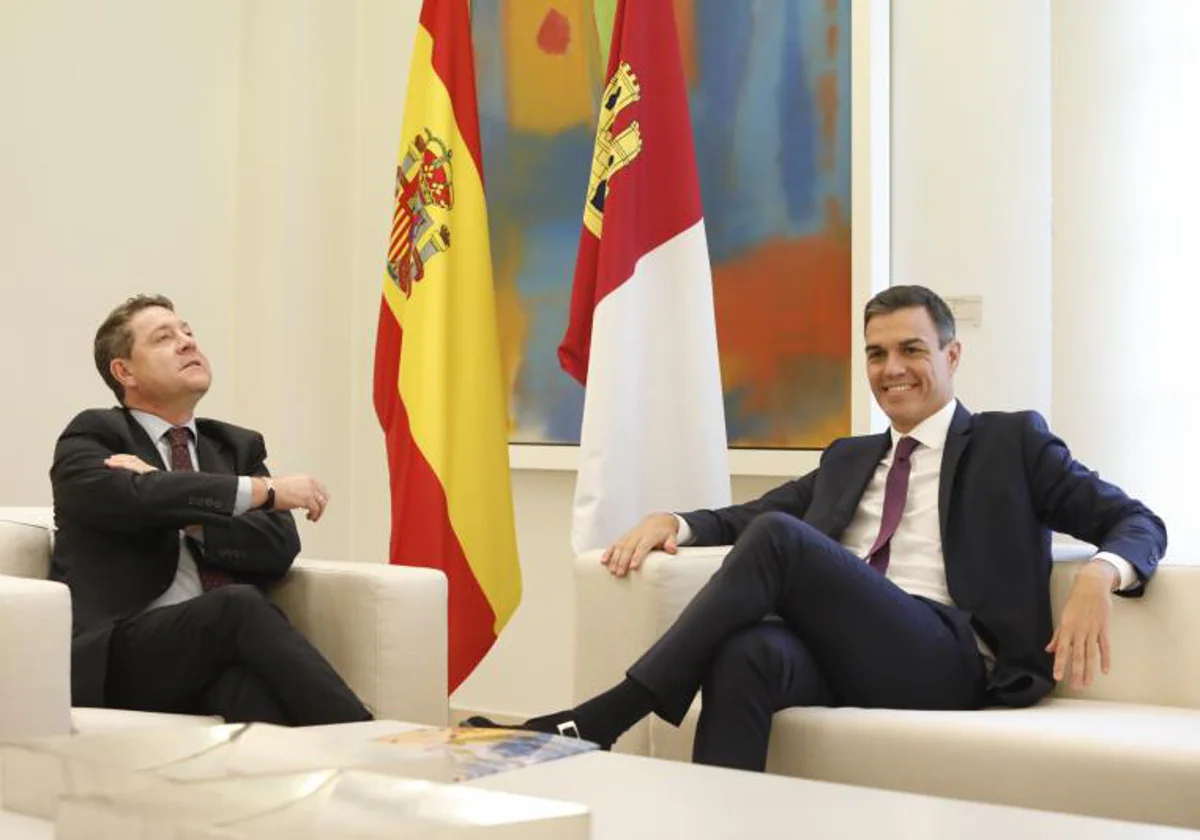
[(1006, 483)]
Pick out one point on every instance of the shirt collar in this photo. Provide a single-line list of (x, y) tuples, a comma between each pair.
[(933, 430), (156, 427)]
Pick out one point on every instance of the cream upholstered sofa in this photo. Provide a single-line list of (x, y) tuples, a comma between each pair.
[(1128, 748), (382, 627)]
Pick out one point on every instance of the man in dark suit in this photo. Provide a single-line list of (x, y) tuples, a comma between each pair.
[(167, 528), (910, 570)]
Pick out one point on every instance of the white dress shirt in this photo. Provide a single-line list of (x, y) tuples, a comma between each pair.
[(187, 576), (916, 563)]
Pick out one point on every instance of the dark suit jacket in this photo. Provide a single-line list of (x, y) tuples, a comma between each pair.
[(117, 533), (1006, 483)]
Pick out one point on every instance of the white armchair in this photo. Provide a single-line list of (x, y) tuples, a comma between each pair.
[(1127, 748), (382, 627)]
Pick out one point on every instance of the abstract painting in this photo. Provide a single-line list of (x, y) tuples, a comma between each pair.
[(769, 88)]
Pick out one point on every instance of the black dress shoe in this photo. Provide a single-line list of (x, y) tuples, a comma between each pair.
[(480, 722), (559, 723)]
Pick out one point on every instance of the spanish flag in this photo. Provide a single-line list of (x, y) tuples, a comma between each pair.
[(438, 384)]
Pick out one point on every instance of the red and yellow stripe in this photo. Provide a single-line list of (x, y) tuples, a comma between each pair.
[(438, 381)]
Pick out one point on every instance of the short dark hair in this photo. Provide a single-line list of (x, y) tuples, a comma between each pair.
[(114, 339), (905, 297)]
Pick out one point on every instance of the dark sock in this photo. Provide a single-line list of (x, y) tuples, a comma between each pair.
[(606, 716)]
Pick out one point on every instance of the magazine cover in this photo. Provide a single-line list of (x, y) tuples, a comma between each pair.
[(476, 752)]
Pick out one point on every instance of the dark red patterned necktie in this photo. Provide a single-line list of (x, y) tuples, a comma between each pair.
[(895, 494), (181, 461), (181, 456)]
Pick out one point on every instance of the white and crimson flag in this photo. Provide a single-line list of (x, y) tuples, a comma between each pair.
[(642, 336), (439, 391)]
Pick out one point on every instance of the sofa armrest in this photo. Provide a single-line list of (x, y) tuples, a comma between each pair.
[(25, 541), (384, 629), (35, 658), (617, 619)]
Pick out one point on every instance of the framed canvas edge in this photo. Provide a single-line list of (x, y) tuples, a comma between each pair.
[(871, 245)]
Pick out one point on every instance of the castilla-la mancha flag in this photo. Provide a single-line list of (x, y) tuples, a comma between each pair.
[(438, 381), (642, 335)]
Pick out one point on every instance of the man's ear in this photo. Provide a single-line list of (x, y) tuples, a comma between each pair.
[(121, 371), (954, 352)]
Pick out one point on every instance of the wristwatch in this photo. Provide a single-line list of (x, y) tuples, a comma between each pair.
[(270, 502)]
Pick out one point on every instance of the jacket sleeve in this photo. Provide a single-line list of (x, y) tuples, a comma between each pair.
[(258, 542), (724, 526), (118, 499), (1074, 500)]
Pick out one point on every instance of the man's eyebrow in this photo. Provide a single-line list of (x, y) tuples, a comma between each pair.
[(906, 342)]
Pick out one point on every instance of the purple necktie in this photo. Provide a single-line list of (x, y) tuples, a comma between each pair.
[(895, 493), (181, 461)]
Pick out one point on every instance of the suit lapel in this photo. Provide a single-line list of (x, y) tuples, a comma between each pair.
[(143, 446), (956, 444), (208, 454), (858, 474)]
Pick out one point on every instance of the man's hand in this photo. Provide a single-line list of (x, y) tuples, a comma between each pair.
[(1083, 627), (299, 491), (658, 530), (128, 462)]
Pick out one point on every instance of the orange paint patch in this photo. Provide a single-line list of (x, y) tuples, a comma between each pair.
[(685, 25), (787, 297), (786, 301)]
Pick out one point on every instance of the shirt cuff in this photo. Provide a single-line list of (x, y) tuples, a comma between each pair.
[(684, 537), (244, 497), (1128, 574)]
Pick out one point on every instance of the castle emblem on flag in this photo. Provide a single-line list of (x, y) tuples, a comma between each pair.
[(424, 194), (613, 153)]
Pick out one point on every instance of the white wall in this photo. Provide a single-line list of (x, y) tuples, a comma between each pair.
[(116, 176), (238, 157), (1127, 246), (295, 227), (971, 182)]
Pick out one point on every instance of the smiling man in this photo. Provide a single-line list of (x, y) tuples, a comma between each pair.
[(909, 571), (168, 526)]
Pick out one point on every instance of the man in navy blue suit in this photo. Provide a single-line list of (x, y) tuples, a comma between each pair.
[(909, 571)]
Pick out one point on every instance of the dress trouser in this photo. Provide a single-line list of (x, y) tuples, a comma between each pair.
[(228, 652), (793, 619)]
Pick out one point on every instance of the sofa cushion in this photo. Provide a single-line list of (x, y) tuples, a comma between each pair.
[(35, 633), (1116, 760)]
